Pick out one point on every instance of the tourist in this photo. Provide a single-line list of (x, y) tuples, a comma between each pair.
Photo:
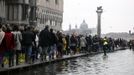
[(27, 43), (17, 39), (60, 45), (53, 42), (44, 42), (83, 43), (105, 45), (9, 46), (73, 43)]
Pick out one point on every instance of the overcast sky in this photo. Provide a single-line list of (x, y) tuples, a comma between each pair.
[(118, 15)]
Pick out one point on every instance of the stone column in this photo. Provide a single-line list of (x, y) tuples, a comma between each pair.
[(2, 11), (99, 12)]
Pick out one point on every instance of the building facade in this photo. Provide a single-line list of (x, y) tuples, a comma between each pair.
[(17, 12), (50, 12), (20, 12), (38, 13)]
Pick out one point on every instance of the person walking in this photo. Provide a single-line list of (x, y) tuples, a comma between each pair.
[(9, 45), (44, 42), (53, 42), (105, 45), (27, 43), (60, 45), (83, 43), (73, 43), (17, 39)]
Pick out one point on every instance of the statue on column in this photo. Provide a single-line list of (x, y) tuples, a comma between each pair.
[(99, 8), (99, 12)]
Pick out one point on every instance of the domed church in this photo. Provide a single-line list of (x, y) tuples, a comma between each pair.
[(84, 25)]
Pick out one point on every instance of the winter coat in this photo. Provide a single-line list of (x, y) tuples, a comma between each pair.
[(9, 41), (44, 38), (28, 38), (17, 39), (73, 41), (83, 42), (53, 38)]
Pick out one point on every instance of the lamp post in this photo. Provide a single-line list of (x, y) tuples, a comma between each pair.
[(99, 12)]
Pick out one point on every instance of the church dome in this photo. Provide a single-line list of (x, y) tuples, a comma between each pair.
[(84, 25)]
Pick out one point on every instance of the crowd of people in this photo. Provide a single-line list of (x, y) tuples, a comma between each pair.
[(29, 45)]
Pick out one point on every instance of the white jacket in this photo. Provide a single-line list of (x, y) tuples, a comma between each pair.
[(83, 42)]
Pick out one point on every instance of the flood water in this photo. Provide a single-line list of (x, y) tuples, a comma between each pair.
[(116, 63)]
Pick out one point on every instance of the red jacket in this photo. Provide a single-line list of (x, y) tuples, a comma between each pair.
[(9, 41)]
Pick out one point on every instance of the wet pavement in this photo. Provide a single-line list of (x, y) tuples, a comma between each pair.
[(115, 63)]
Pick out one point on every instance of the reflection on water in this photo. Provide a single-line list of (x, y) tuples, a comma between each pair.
[(116, 63)]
